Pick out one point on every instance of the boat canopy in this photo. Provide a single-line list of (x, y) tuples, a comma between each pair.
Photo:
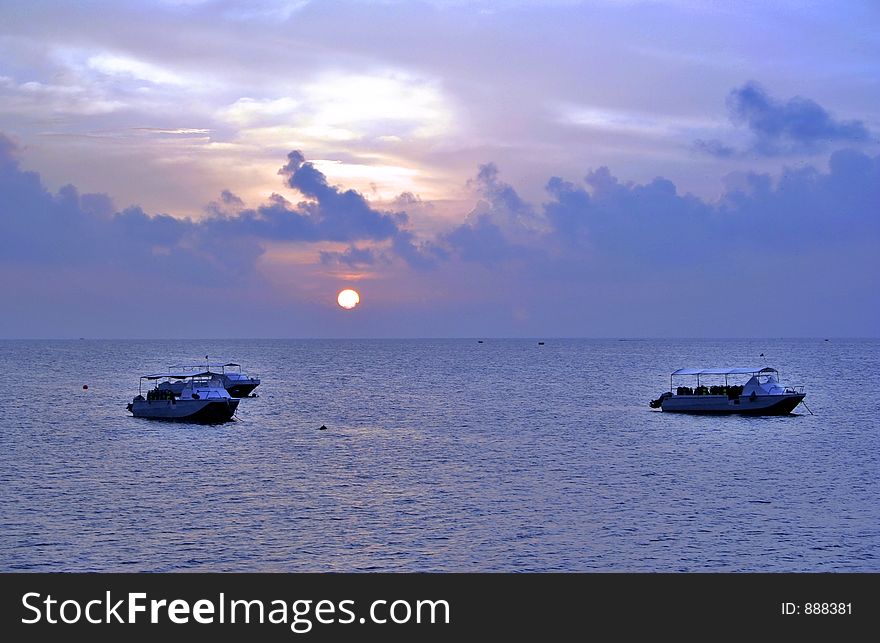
[(176, 376), (207, 365), (770, 387), (726, 370)]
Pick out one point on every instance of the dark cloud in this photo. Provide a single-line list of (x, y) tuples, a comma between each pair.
[(335, 214), (604, 223), (230, 199), (795, 126), (807, 208), (653, 225), (625, 224)]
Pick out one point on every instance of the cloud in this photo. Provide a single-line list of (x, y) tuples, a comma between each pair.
[(249, 112), (714, 147), (335, 214), (628, 227), (69, 228), (112, 64), (481, 241), (653, 225), (230, 199), (595, 242), (566, 213), (626, 121), (644, 259), (352, 256), (501, 228), (418, 255), (505, 204), (798, 125), (603, 223), (273, 11), (8, 153), (35, 98), (380, 103)]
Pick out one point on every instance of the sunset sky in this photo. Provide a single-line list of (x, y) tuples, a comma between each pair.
[(606, 168)]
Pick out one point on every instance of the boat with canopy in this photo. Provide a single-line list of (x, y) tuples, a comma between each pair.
[(237, 383), (202, 398), (761, 394)]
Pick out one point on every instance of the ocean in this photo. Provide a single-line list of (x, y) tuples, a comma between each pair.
[(439, 455)]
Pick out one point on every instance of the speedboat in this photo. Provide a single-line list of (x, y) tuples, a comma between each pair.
[(237, 383), (762, 394), (202, 398)]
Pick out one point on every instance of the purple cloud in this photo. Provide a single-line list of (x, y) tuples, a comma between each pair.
[(335, 214), (798, 125), (794, 126)]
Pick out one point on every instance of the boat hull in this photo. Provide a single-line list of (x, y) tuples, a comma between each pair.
[(199, 411), (241, 390), (722, 405)]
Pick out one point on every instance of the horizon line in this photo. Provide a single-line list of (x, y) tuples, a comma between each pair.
[(446, 337)]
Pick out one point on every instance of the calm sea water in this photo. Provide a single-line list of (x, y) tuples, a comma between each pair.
[(440, 455)]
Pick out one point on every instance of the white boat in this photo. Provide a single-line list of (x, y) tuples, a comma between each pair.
[(202, 398), (237, 383), (762, 394)]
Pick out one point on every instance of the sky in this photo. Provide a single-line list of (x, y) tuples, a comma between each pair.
[(605, 168)]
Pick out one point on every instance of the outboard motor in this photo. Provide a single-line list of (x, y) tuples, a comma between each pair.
[(656, 404)]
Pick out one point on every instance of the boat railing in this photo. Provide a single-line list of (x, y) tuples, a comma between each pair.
[(735, 390), (730, 391), (228, 369)]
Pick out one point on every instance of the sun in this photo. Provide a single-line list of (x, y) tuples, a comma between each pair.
[(348, 298)]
